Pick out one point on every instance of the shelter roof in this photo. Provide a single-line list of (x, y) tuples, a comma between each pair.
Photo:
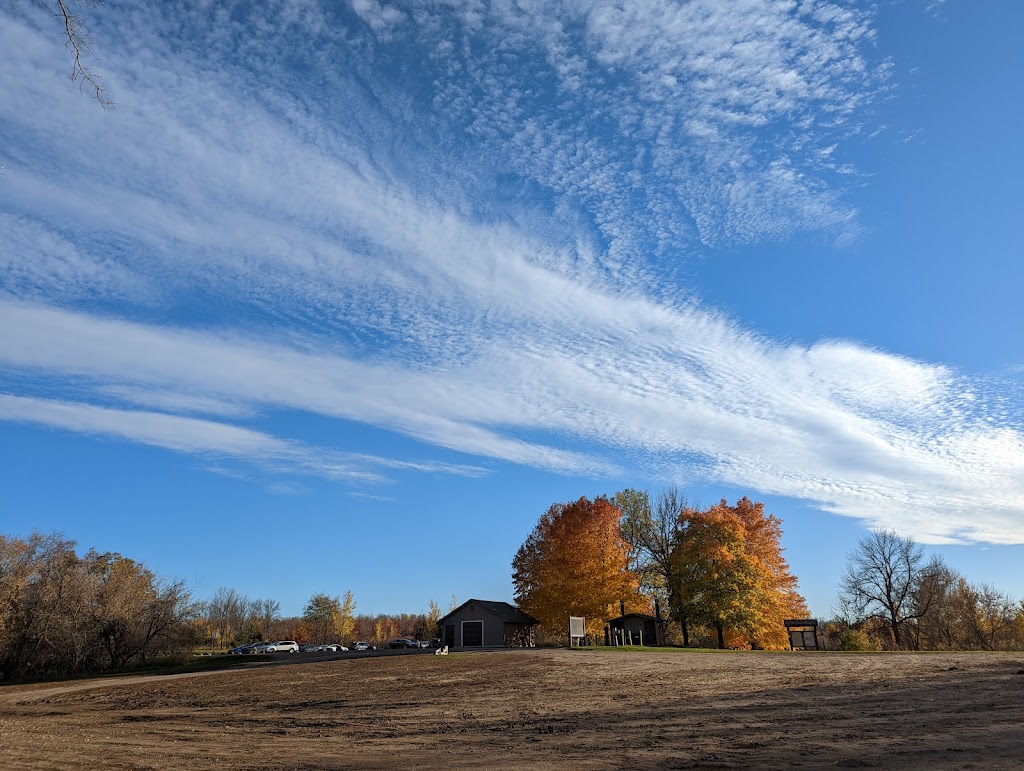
[(644, 616), (510, 614)]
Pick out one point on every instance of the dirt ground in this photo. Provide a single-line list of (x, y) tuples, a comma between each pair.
[(536, 709)]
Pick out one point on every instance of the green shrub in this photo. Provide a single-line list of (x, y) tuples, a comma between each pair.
[(855, 640)]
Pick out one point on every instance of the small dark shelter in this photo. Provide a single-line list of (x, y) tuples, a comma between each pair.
[(632, 629), (487, 624)]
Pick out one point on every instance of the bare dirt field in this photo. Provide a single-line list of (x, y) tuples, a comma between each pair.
[(536, 709)]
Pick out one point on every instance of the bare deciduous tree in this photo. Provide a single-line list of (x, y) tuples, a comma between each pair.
[(269, 612), (135, 612), (884, 578), (232, 617), (990, 617), (61, 614), (941, 628)]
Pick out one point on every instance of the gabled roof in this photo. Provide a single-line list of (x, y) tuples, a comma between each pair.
[(510, 614)]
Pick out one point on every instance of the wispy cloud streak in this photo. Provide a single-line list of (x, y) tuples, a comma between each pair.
[(213, 439), (461, 224), (856, 431)]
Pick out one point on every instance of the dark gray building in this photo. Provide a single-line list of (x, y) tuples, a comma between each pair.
[(487, 624)]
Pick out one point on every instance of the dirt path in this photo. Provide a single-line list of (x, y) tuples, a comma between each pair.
[(13, 696), (538, 709)]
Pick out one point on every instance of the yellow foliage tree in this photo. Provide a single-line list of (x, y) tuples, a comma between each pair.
[(329, 619), (731, 575), (343, 618), (575, 563)]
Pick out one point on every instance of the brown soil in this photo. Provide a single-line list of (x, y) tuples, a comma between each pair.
[(537, 709)]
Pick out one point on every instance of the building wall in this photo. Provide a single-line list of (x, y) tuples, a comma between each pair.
[(493, 627)]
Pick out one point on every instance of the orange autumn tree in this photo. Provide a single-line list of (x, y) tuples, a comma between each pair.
[(575, 563), (779, 586), (731, 575)]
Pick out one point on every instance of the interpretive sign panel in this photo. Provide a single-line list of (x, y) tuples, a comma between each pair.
[(803, 633), (577, 630)]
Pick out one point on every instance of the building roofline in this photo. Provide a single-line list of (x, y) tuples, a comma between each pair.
[(490, 604)]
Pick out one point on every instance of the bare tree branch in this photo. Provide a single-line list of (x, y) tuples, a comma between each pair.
[(78, 42)]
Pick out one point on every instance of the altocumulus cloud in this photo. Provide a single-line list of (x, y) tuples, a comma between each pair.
[(458, 224)]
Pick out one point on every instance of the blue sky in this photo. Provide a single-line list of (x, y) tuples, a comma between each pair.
[(344, 296)]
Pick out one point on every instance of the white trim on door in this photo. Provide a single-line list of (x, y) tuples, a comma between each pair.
[(462, 633)]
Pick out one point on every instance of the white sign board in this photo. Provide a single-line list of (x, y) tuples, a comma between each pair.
[(577, 629)]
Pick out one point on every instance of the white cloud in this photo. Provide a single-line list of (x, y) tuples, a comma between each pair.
[(613, 115), (279, 167), (37, 261), (238, 370), (467, 246), (172, 432), (214, 439), (170, 401), (859, 432), (380, 16)]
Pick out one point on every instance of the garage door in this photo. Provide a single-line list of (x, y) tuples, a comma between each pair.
[(472, 634)]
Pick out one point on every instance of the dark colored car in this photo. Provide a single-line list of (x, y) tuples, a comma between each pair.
[(402, 642), (243, 650)]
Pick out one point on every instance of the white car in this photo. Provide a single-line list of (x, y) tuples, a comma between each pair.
[(328, 648), (363, 646), (282, 645)]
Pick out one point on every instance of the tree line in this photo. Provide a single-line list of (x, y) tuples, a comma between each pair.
[(230, 619), (892, 596), (718, 572), (720, 577), (62, 614)]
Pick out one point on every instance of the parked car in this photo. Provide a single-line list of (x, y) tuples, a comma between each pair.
[(402, 642), (362, 646), (328, 648), (281, 646), (243, 650)]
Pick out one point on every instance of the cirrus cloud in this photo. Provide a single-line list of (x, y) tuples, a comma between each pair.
[(463, 224)]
